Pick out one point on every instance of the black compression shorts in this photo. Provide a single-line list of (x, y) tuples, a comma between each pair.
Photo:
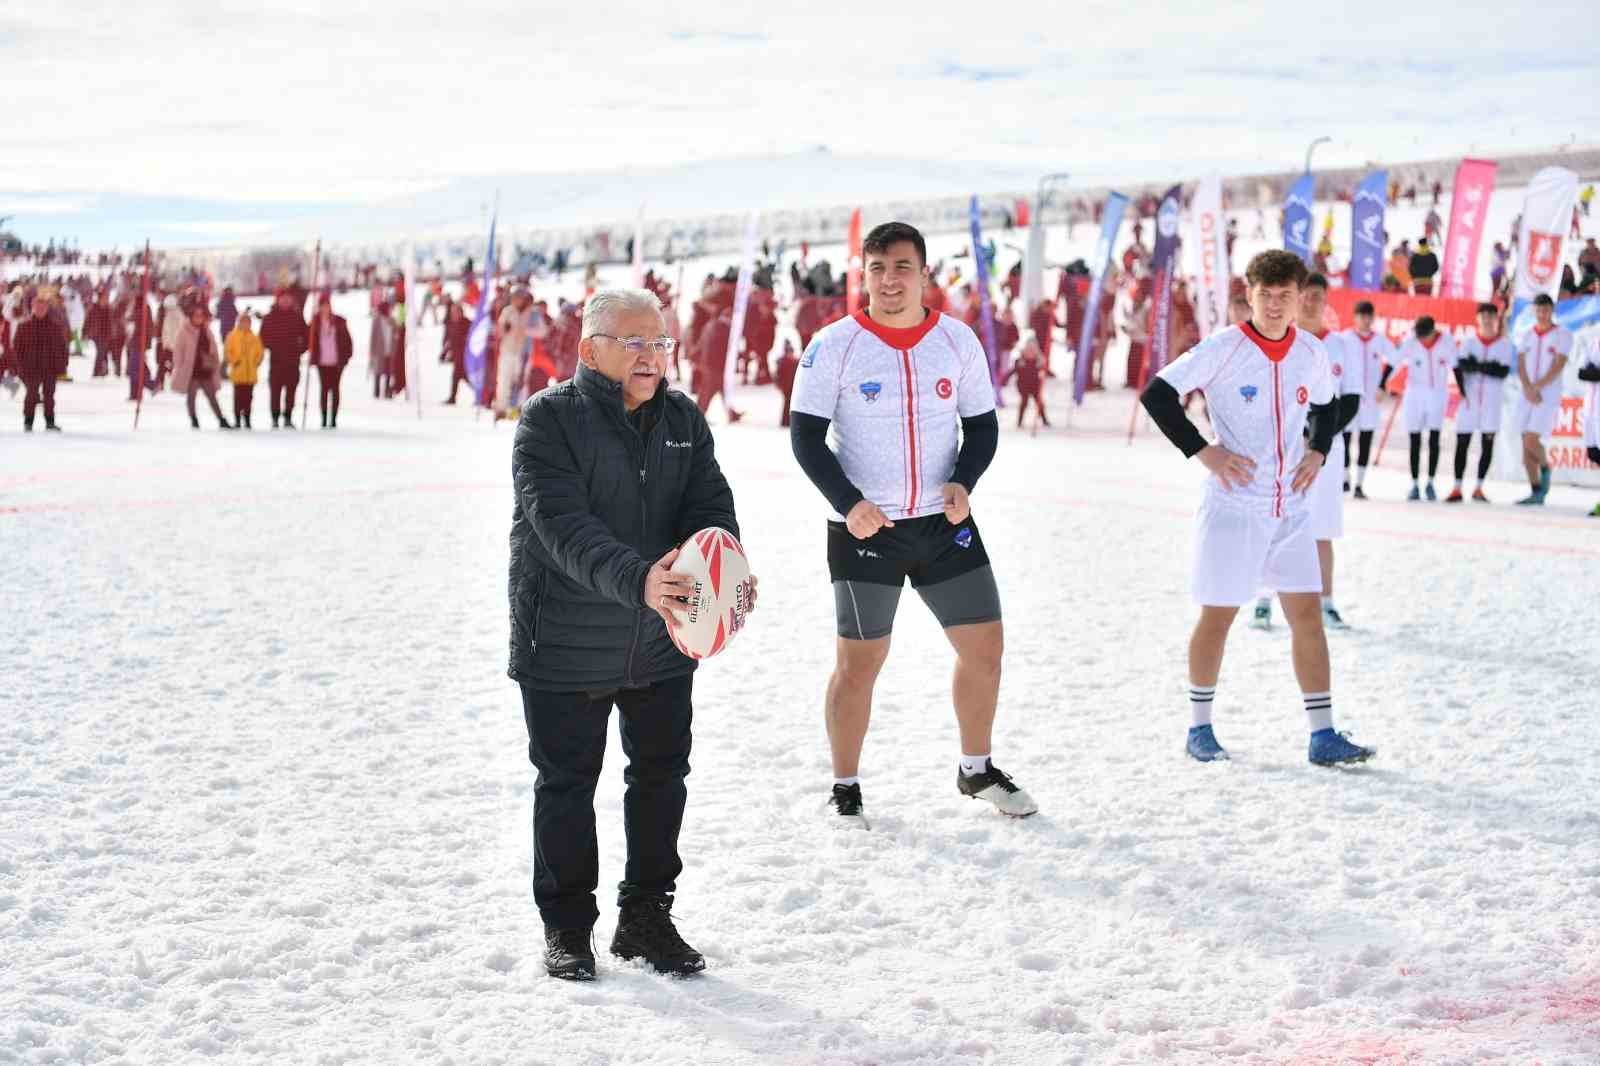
[(947, 565)]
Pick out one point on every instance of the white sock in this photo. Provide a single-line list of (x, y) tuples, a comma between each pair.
[(847, 781), (1327, 603), (1361, 475), (1319, 710), (1200, 697), (973, 765)]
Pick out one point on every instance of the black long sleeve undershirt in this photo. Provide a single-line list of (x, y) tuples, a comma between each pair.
[(808, 437), (1165, 406), (1325, 421), (980, 437)]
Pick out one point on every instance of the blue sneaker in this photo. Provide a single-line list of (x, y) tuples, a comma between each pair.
[(1544, 482), (1415, 493), (1533, 499), (1429, 493), (1203, 746), (1333, 749)]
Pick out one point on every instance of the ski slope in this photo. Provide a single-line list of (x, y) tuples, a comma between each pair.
[(266, 795)]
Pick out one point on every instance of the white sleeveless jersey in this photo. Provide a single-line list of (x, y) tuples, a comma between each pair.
[(895, 398), (1258, 393)]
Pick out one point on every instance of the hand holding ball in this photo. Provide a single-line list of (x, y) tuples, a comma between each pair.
[(707, 594)]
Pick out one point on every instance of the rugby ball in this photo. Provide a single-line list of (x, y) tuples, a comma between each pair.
[(716, 610)]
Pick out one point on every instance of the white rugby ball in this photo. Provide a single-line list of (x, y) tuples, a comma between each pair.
[(716, 610)]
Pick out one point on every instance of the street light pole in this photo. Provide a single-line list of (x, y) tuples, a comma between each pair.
[(1312, 147)]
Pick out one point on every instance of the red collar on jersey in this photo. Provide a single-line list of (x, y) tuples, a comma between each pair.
[(1320, 334), (1366, 336), (1274, 350), (1430, 342), (1546, 329), (901, 339), (1486, 341)]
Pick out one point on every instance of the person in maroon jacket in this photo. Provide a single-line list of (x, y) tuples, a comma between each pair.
[(330, 349), (760, 333), (100, 325), (284, 336), (788, 366), (1042, 320), (456, 329), (39, 351), (1029, 372), (808, 314)]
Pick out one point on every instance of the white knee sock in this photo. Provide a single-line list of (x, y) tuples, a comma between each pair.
[(1200, 697), (1319, 710)]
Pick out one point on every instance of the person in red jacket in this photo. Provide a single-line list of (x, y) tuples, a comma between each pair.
[(808, 314), (788, 364), (1042, 320), (760, 332), (330, 349), (39, 351), (1029, 372), (456, 329)]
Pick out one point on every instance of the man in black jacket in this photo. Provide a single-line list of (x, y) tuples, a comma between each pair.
[(40, 351), (612, 472), (1424, 266)]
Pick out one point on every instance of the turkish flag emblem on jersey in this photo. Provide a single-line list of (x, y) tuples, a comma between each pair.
[(1544, 256)]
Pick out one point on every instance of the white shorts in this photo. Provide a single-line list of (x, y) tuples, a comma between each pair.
[(1325, 501), (1239, 553), (1538, 418), (1370, 416), (1423, 409), (1480, 407)]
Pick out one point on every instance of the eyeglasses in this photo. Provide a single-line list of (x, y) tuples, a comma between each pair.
[(637, 346)]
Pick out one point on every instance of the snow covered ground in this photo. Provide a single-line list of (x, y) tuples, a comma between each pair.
[(264, 794)]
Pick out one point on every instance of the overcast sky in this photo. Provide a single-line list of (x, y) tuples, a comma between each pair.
[(217, 120)]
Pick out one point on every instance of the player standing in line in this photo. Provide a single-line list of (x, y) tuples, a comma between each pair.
[(1326, 499), (1429, 357), (1589, 373), (1541, 357), (1372, 352), (1482, 371), (1265, 383), (901, 386)]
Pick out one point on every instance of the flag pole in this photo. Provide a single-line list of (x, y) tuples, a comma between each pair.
[(305, 398), (140, 318)]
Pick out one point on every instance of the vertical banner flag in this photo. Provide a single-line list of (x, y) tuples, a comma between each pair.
[(316, 271), (852, 277), (741, 301), (1297, 218), (638, 249), (1163, 261), (986, 320), (1546, 220), (1116, 204), (1211, 230), (478, 337), (1033, 262), (1368, 236), (1468, 204)]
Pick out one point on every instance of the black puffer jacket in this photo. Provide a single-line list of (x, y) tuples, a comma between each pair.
[(596, 505)]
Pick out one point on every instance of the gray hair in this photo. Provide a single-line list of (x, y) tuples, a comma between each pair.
[(604, 306)]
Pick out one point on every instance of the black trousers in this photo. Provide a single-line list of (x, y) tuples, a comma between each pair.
[(36, 393), (567, 743)]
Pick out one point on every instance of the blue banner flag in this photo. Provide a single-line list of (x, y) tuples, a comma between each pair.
[(986, 321), (1163, 265), (1297, 218), (478, 337), (1116, 205), (1368, 236)]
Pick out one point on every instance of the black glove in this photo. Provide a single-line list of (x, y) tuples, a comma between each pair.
[(1589, 373)]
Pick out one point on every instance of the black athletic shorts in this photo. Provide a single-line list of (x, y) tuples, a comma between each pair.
[(947, 565)]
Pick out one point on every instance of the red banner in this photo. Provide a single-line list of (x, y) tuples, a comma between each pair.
[(1468, 205), (852, 278), (1394, 313)]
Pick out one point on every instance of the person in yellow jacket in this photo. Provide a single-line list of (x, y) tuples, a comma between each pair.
[(243, 352)]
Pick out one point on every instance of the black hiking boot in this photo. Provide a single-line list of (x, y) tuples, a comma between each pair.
[(645, 931), (569, 954)]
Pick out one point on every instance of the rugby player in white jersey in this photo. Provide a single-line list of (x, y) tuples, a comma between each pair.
[(1541, 357), (1486, 359), (1326, 499), (1373, 351), (893, 419), (1265, 384), (1429, 357)]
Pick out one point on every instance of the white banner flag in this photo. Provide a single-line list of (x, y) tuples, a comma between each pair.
[(1546, 220), (638, 249), (1033, 263), (1211, 255), (741, 300)]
